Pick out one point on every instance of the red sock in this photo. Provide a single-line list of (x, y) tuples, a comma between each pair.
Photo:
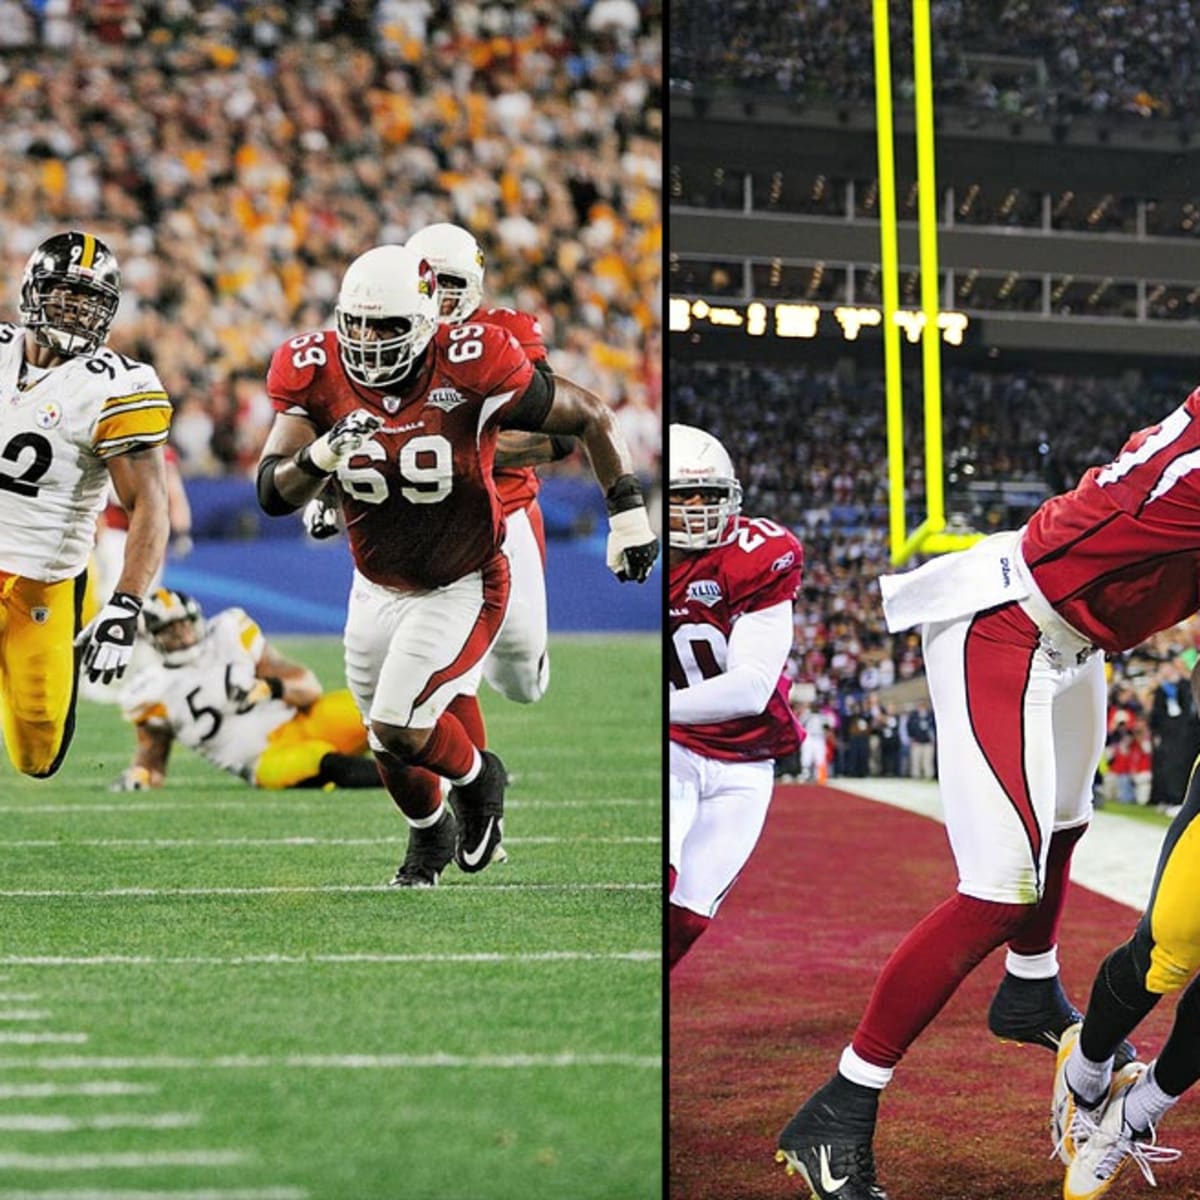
[(415, 791), (683, 928), (470, 717), (449, 751), (1040, 932), (925, 970)]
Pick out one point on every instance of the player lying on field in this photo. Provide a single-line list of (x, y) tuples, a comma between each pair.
[(220, 688)]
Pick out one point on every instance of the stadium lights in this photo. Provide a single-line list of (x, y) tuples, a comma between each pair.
[(807, 320)]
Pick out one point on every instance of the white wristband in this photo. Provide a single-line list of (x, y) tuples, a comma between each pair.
[(322, 456), (632, 526)]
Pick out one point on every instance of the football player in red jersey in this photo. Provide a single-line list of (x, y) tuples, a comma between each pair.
[(518, 666), (1014, 631), (733, 582), (404, 414)]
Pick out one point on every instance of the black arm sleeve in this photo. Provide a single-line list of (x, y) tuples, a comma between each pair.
[(530, 411), (269, 499)]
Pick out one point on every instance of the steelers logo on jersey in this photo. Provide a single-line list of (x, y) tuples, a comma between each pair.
[(48, 415)]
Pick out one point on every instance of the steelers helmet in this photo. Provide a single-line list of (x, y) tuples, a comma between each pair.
[(174, 623), (70, 292)]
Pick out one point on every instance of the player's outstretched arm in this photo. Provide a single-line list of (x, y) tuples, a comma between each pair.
[(299, 686), (296, 464), (516, 449), (149, 768), (139, 478), (573, 411)]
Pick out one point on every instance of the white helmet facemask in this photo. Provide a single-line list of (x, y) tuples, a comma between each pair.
[(455, 256), (701, 467), (386, 315)]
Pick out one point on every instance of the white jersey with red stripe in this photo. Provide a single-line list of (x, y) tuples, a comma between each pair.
[(57, 428), (192, 701)]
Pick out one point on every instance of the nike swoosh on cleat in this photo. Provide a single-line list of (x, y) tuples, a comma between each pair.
[(472, 857), (827, 1180)]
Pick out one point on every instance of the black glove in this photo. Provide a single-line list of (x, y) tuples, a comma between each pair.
[(107, 640)]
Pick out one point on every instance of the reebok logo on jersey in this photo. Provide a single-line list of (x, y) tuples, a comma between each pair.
[(705, 591), (784, 561), (445, 398)]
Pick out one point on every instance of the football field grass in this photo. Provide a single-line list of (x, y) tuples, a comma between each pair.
[(208, 990)]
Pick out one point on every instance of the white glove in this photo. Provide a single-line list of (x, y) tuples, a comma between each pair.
[(632, 546), (132, 779), (321, 517), (107, 640), (343, 441)]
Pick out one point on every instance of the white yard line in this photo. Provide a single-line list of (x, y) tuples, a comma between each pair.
[(335, 1062), (103, 1162), (44, 843), (268, 1193), (13, 1038), (55, 1123), (287, 960), (17, 997), (256, 801), (293, 889), (24, 1014), (98, 1087)]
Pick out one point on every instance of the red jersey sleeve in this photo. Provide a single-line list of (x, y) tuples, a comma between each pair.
[(294, 366), (769, 573), (524, 326)]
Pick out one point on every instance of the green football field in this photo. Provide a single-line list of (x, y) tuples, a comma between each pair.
[(208, 991)]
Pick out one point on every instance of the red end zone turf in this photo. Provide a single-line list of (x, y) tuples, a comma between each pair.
[(761, 1008)]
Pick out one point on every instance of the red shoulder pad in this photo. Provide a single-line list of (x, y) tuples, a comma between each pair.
[(483, 359), (295, 365), (763, 564), (524, 326)]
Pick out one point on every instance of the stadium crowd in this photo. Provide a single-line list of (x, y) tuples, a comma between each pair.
[(237, 156), (1113, 58), (810, 447)]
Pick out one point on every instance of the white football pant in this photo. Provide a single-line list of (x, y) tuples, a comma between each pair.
[(408, 654), (717, 813), (518, 666)]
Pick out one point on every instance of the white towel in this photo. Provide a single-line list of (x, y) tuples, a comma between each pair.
[(954, 585)]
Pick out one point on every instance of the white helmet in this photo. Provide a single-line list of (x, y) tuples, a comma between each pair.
[(699, 463), (386, 314), (456, 257)]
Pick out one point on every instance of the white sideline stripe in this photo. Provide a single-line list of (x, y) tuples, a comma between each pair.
[(55, 1123), (41, 843), (11, 1038), (62, 893), (276, 960), (98, 1162), (300, 805), (342, 1062), (100, 1087), (270, 1193), (23, 1014)]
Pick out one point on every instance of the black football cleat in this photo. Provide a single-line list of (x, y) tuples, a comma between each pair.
[(1036, 1012), (479, 807), (828, 1142), (429, 851)]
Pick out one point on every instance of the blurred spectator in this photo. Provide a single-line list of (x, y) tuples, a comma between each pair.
[(238, 156), (1010, 57), (921, 741), (1176, 730), (1127, 762)]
